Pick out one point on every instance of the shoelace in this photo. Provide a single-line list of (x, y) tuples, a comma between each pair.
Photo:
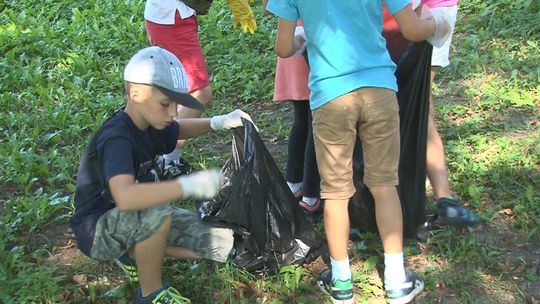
[(171, 296)]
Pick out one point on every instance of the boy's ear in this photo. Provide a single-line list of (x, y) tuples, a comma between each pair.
[(135, 93)]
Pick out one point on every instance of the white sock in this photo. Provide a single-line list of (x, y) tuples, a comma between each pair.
[(295, 186), (174, 156), (394, 268), (309, 200), (340, 269)]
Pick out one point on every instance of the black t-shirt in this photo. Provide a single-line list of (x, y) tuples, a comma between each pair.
[(121, 148)]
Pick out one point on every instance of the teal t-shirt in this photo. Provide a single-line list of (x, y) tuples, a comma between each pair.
[(345, 47)]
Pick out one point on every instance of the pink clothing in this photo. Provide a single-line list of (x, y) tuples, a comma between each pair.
[(291, 81), (439, 3)]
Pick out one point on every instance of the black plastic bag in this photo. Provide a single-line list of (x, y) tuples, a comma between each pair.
[(413, 77), (270, 227)]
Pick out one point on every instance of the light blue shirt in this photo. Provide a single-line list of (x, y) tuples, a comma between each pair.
[(345, 47)]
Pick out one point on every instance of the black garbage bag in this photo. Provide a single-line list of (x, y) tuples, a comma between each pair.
[(270, 228), (413, 77)]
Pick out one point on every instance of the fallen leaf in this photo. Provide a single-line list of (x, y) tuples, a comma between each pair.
[(506, 211), (488, 277)]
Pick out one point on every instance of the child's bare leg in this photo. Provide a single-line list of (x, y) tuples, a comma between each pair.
[(389, 218), (449, 209), (149, 255), (336, 226), (435, 162), (390, 223)]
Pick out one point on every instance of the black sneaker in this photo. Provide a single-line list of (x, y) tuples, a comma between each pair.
[(175, 169), (401, 293), (452, 212), (340, 291), (165, 295), (128, 266)]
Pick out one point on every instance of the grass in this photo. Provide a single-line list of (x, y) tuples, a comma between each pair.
[(62, 67)]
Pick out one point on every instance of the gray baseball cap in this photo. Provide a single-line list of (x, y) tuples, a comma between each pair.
[(161, 69)]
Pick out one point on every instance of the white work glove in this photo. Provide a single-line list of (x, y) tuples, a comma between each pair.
[(299, 40), (443, 30), (229, 121), (201, 185)]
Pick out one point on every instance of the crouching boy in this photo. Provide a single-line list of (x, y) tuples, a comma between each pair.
[(122, 209)]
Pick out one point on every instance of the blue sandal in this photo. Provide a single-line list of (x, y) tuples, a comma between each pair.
[(452, 212)]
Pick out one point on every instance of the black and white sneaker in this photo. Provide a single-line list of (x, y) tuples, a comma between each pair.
[(452, 212), (340, 291), (402, 293)]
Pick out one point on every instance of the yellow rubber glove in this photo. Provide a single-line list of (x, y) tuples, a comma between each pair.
[(243, 14)]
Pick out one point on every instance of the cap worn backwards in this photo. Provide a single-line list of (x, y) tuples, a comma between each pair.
[(160, 68)]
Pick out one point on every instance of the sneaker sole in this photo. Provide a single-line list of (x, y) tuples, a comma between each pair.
[(308, 208), (335, 301), (459, 222), (408, 298)]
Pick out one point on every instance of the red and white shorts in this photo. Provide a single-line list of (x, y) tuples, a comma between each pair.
[(182, 39)]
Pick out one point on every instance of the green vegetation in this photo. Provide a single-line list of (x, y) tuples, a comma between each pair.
[(62, 67)]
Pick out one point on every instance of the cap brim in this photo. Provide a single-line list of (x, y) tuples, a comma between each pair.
[(182, 98)]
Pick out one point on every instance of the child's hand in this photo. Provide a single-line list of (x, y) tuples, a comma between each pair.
[(201, 185), (243, 14), (443, 30), (231, 120)]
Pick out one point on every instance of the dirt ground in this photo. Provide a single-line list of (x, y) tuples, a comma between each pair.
[(519, 255), (84, 272)]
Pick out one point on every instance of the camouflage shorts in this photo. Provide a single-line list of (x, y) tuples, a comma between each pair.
[(118, 231)]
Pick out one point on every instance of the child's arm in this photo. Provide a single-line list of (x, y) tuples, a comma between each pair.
[(129, 195), (286, 44), (413, 27), (435, 28), (193, 127)]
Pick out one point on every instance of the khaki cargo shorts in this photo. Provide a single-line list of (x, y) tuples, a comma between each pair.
[(118, 231), (373, 115)]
